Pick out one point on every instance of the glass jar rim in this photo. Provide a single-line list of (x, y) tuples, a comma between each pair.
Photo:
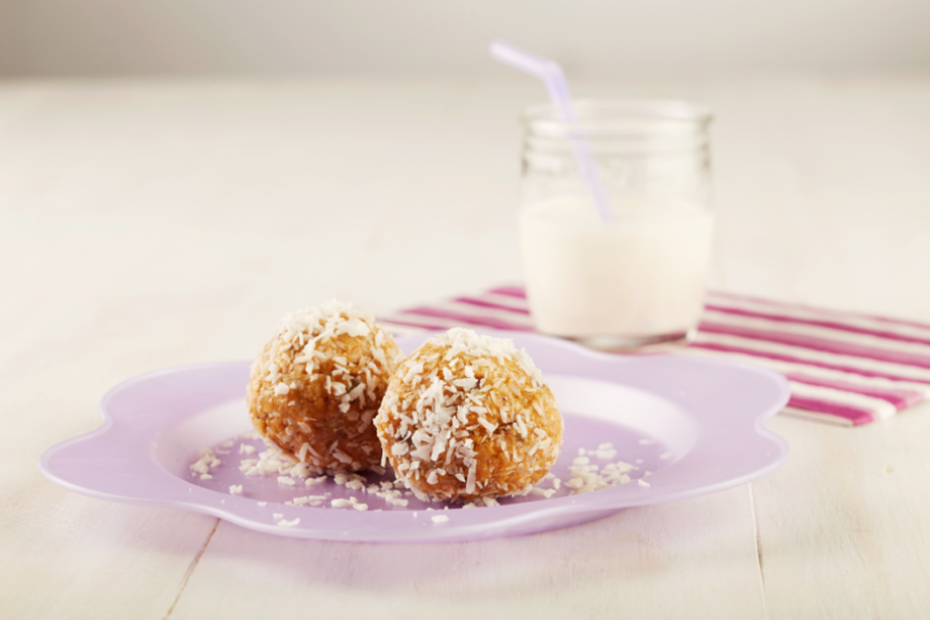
[(627, 117)]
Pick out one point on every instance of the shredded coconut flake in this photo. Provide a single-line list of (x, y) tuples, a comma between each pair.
[(206, 461)]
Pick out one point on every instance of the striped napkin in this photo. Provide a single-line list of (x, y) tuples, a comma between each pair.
[(843, 367)]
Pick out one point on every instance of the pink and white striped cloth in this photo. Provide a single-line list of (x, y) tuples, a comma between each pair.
[(843, 367)]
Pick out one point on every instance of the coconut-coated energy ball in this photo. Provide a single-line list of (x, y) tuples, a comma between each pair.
[(468, 416), (317, 385)]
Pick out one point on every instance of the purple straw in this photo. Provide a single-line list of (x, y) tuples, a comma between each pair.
[(552, 76)]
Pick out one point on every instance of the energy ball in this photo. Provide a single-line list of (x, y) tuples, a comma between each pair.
[(469, 416), (317, 385)]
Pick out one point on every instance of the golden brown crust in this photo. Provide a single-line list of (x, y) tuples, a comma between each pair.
[(315, 397), (464, 424)]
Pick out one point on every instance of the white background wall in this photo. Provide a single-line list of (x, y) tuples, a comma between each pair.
[(591, 38)]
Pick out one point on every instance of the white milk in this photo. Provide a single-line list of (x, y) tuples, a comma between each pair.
[(639, 276)]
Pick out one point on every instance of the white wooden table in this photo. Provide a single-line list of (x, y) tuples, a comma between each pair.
[(149, 224)]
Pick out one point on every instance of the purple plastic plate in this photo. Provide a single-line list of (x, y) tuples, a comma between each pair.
[(696, 425)]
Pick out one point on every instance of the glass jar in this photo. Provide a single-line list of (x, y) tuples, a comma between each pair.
[(639, 277)]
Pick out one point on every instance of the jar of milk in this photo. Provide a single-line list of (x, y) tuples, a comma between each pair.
[(637, 278)]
